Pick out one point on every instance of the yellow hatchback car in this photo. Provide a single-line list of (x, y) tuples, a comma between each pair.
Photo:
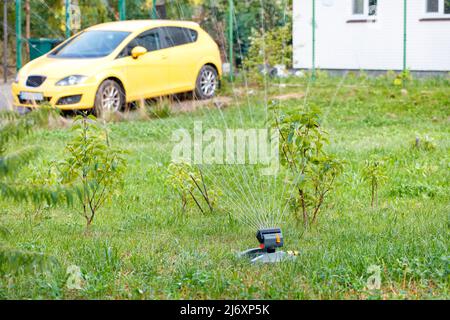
[(109, 65)]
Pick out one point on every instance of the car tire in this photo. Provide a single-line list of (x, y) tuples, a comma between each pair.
[(110, 98), (207, 83)]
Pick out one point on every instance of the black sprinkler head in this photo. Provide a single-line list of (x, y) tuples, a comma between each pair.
[(270, 239)]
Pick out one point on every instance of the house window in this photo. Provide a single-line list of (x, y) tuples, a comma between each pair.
[(373, 4), (358, 6), (438, 6), (365, 7), (432, 6)]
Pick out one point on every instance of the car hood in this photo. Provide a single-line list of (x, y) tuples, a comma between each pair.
[(59, 68)]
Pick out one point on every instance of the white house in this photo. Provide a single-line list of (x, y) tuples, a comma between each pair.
[(371, 34)]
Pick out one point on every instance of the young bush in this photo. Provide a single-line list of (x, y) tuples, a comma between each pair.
[(92, 165), (374, 173), (13, 160), (190, 184), (311, 170)]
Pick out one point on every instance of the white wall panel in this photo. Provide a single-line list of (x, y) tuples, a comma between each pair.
[(369, 45)]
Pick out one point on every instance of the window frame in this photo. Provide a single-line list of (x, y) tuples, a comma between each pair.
[(440, 13)]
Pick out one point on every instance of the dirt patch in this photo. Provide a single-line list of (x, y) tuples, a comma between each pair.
[(289, 96), (192, 105)]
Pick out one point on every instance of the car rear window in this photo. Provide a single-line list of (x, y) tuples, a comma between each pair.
[(177, 36)]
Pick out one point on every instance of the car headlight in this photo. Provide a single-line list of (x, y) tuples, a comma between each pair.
[(71, 80)]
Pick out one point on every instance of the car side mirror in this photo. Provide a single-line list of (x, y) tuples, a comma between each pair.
[(138, 51)]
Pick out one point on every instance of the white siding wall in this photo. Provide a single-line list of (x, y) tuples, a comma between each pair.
[(371, 45), (428, 41)]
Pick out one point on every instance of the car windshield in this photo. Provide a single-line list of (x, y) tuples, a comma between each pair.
[(91, 44)]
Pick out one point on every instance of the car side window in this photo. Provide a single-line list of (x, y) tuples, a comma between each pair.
[(177, 36), (150, 40)]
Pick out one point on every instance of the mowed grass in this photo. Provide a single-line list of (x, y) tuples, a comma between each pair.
[(143, 246)]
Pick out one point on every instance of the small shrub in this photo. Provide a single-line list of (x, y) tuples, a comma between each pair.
[(14, 128), (92, 165), (190, 184), (311, 170), (374, 173)]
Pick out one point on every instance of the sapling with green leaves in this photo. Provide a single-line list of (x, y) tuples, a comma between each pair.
[(14, 160), (310, 169), (92, 165), (375, 174), (14, 128), (189, 182)]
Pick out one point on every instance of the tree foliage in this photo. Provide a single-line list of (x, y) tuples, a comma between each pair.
[(13, 158), (269, 48), (14, 129), (92, 165), (189, 182), (310, 169), (251, 17), (375, 174)]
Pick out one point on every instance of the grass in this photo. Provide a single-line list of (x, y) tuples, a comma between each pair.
[(142, 246)]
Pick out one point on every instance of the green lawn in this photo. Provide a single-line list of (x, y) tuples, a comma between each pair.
[(143, 246)]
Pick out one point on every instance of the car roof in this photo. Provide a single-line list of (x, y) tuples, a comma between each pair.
[(139, 25)]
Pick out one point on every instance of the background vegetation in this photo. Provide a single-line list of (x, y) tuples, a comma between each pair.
[(46, 19)]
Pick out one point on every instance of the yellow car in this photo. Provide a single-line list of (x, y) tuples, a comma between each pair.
[(111, 64)]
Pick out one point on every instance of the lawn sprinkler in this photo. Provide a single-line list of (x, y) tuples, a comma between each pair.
[(269, 241)]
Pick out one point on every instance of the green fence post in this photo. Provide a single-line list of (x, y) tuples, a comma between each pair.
[(122, 10), (405, 38), (5, 41), (18, 34), (231, 37), (314, 40), (68, 31), (154, 12)]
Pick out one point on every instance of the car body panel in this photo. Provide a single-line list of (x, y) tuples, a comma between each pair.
[(157, 73)]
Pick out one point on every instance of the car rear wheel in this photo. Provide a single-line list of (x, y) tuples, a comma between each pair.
[(110, 98), (207, 83)]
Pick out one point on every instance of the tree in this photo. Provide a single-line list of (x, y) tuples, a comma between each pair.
[(92, 165), (374, 173), (14, 129), (310, 169)]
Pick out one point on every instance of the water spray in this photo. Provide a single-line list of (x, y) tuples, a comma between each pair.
[(269, 241)]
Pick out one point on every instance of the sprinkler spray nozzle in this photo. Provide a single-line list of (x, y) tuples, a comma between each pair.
[(270, 239)]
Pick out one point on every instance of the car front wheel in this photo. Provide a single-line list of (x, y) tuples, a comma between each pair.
[(207, 83), (110, 98)]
